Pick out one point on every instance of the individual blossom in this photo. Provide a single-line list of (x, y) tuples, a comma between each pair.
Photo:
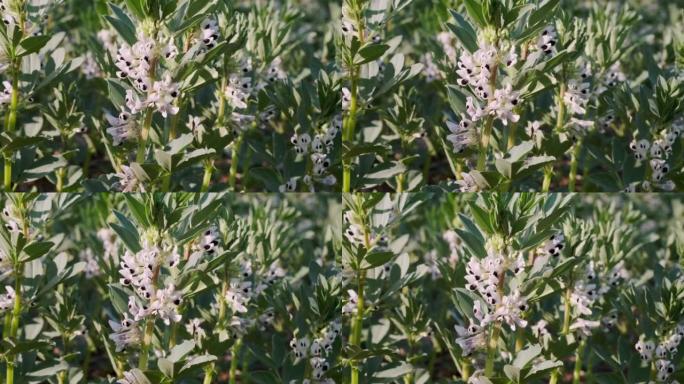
[(238, 295), (164, 304), (539, 329), (475, 336), (209, 240), (576, 97), (430, 70), (6, 94), (554, 245), (346, 98), (238, 90), (505, 100), (134, 376), (92, 266), (127, 333), (463, 135), (430, 261), (210, 33), (583, 328), (471, 183), (454, 243), (163, 96), (7, 299), (548, 40), (290, 185), (350, 307), (511, 309), (194, 328), (122, 128), (128, 181)]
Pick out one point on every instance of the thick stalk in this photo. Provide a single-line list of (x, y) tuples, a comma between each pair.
[(565, 330), (208, 374), (147, 341), (14, 326), (577, 372), (567, 313), (147, 124), (487, 131), (357, 325), (484, 144), (208, 169), (548, 173), (235, 350), (348, 131), (492, 346), (11, 123), (573, 166), (144, 135), (235, 153)]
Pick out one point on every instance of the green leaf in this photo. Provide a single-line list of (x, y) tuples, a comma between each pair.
[(372, 52), (197, 360), (136, 8), (165, 367), (394, 372), (122, 23), (464, 31), (127, 232), (376, 259), (474, 8), (543, 13), (32, 44), (482, 218), (36, 249), (526, 355), (181, 350)]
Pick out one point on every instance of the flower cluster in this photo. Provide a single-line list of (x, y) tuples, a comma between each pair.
[(241, 291), (662, 353), (317, 350), (590, 289), (554, 245), (485, 277), (658, 152), (320, 148)]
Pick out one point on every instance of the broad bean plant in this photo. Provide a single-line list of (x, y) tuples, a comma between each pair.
[(512, 288), (169, 95), (162, 288), (513, 95)]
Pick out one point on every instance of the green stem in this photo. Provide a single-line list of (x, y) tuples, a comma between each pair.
[(60, 179), (492, 348), (208, 169), (577, 373), (235, 154), (147, 341), (567, 313), (357, 325), (484, 144), (235, 350), (573, 166), (554, 376), (8, 173), (11, 123), (348, 129), (14, 326), (511, 135), (144, 136), (548, 173), (493, 344), (208, 374)]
